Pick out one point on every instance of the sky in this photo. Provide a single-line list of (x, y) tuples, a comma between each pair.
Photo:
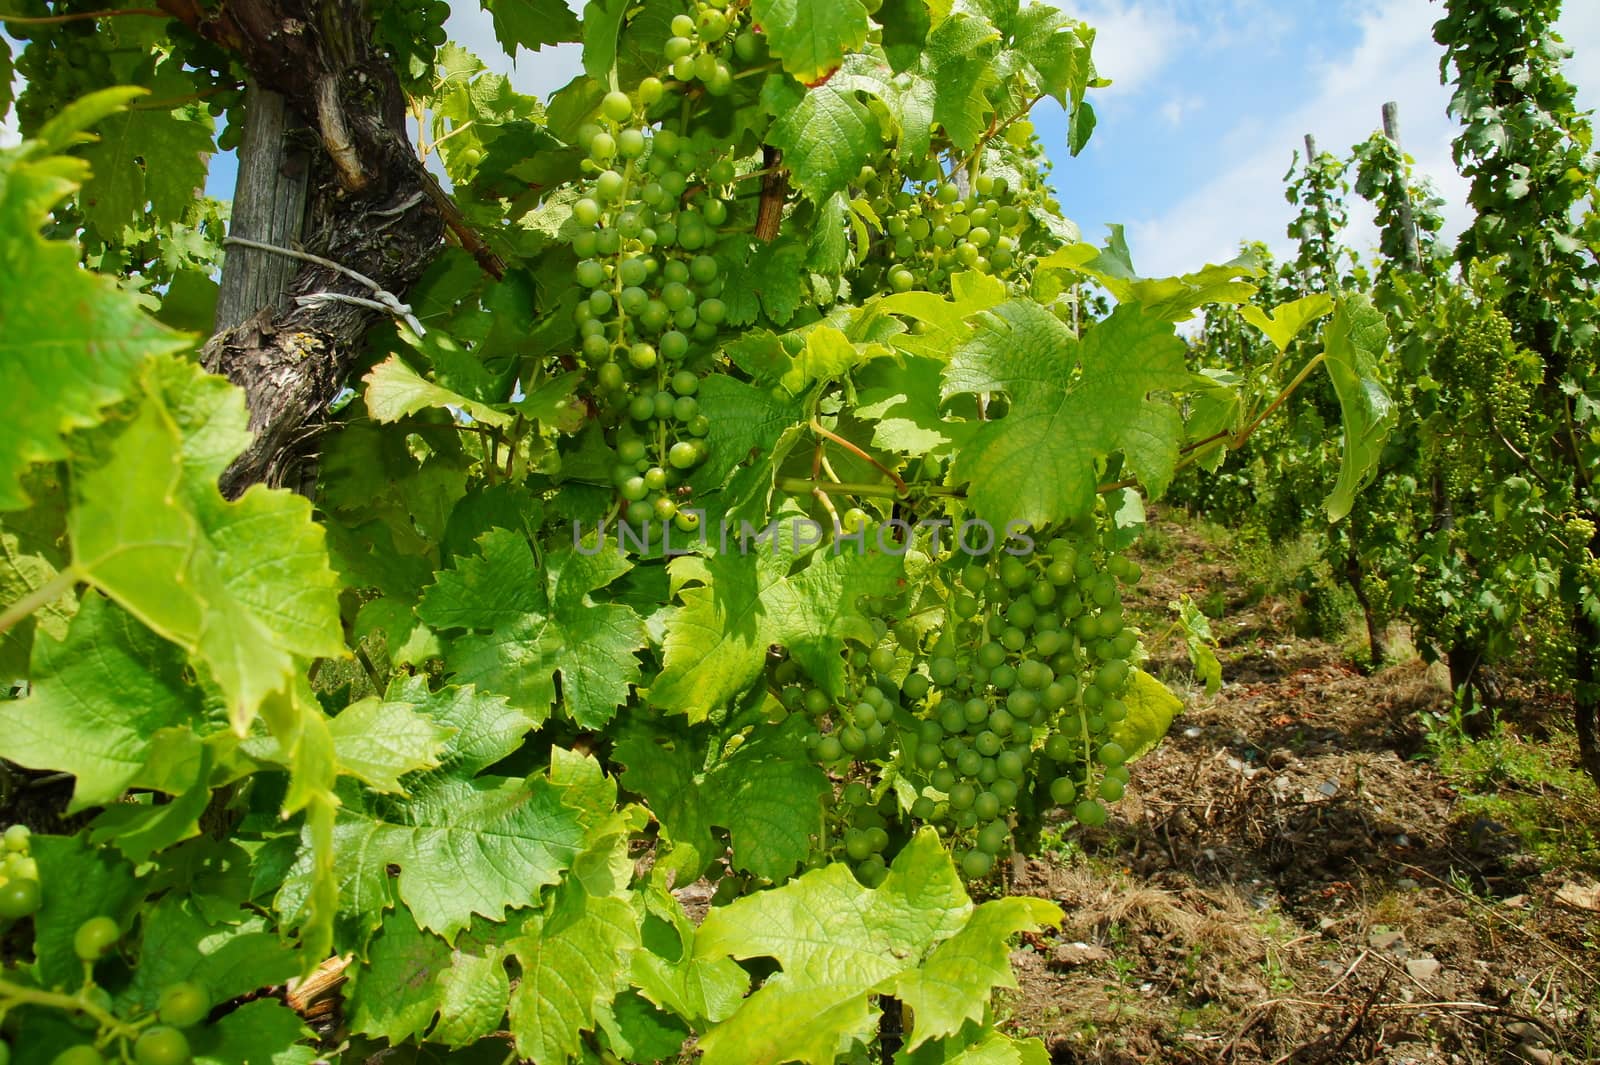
[(1209, 101)]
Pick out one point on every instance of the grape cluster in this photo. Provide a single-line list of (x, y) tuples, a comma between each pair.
[(1008, 712), (650, 215), (149, 1038), (62, 61), (411, 33), (699, 49), (934, 231)]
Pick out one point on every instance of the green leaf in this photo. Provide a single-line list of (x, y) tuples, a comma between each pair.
[(1288, 320), (58, 371), (243, 585), (838, 944), (767, 793), (1073, 403), (574, 960), (669, 973), (961, 65), (1151, 708), (394, 391), (263, 1032), (826, 134), (22, 573), (745, 421), (739, 603), (1355, 341), (148, 155), (977, 1046), (77, 882), (393, 995), (601, 21), (478, 847), (811, 38), (1169, 299), (532, 24), (526, 631), (180, 765), (227, 958), (98, 699), (954, 985), (379, 741)]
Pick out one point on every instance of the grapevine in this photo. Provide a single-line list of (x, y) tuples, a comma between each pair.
[(623, 533)]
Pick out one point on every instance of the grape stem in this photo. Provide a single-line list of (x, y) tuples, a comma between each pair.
[(40, 597), (821, 430), (33, 996), (80, 16)]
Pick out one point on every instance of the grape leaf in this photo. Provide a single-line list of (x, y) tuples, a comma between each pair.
[(77, 882), (738, 603), (394, 390), (1355, 340), (667, 971), (380, 741), (245, 585), (977, 1046), (745, 421), (532, 24), (393, 995), (262, 1032), (1151, 708), (601, 21), (1072, 403), (767, 793), (1169, 299), (961, 66), (227, 958), (148, 155), (98, 698), (528, 630), (574, 960), (954, 984), (826, 134), (1288, 320), (58, 371), (811, 38), (838, 944), (21, 573)]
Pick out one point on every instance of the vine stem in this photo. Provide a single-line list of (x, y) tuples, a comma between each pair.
[(1283, 397), (33, 996), (42, 596), (821, 430), (80, 16)]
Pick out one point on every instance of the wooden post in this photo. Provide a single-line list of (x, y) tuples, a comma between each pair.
[(269, 205), (1408, 220)]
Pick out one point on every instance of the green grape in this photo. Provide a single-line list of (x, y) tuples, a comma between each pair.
[(161, 1045), (829, 749), (586, 211), (1111, 789), (975, 864), (962, 796), (650, 90), (95, 938), (616, 106), (82, 1054), (682, 26), (17, 838), (19, 898), (683, 455), (1062, 791), (1090, 813), (1111, 754), (882, 660), (603, 148)]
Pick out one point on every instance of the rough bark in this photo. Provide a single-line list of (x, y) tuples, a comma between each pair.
[(372, 208)]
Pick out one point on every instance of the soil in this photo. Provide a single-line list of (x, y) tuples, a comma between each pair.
[(1287, 880)]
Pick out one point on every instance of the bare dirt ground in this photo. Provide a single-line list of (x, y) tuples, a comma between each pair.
[(1290, 879)]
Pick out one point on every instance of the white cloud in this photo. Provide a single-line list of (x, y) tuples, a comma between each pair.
[(1175, 110), (1395, 59), (538, 74), (1133, 41)]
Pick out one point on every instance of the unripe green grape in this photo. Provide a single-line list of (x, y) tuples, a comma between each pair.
[(633, 300), (665, 508), (631, 450), (712, 25), (683, 455), (682, 26), (641, 408), (590, 274), (1063, 791), (986, 806), (720, 83), (901, 279), (713, 311), (19, 898), (1111, 754), (609, 185), (17, 838), (634, 489), (975, 864), (655, 317), (685, 408), (715, 211), (685, 317), (829, 749), (95, 938), (603, 148), (962, 795), (661, 405), (642, 356), (705, 66), (650, 90), (1090, 813), (684, 382), (586, 211), (596, 349), (82, 1054), (611, 377), (699, 425), (703, 269), (943, 671), (616, 106)]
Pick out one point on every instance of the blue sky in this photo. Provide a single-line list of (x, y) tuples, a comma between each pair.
[(1210, 99)]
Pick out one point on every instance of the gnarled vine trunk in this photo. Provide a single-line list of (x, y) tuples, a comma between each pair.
[(371, 208)]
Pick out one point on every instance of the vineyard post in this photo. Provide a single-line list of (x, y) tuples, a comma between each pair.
[(1408, 222), (269, 203)]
